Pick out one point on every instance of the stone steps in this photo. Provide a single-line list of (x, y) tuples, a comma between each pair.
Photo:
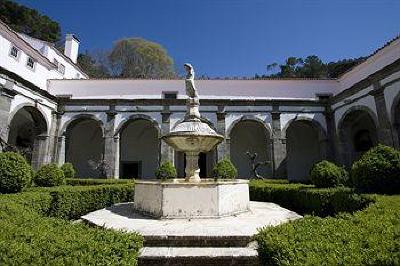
[(196, 241), (200, 256)]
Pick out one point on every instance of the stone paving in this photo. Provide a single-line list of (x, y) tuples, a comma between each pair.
[(123, 217), (205, 241)]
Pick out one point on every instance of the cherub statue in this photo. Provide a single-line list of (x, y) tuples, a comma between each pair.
[(189, 81), (254, 165)]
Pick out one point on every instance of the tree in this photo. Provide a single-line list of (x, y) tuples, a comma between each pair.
[(93, 66), (139, 58), (311, 67), (29, 21), (338, 68)]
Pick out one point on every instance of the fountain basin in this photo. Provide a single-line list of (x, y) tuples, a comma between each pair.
[(181, 199), (193, 136)]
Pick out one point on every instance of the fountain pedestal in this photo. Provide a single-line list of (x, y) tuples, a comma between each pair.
[(181, 199)]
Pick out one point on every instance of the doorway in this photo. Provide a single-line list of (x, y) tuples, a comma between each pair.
[(131, 169)]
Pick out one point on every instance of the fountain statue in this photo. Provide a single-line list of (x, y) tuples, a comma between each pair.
[(192, 197), (192, 136)]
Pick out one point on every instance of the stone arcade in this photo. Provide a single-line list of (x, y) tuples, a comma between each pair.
[(53, 110)]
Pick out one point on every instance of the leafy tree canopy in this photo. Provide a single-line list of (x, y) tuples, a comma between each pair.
[(29, 21), (91, 65), (310, 67), (139, 58)]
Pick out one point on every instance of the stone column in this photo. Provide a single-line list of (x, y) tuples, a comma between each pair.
[(384, 130), (53, 138), (167, 152), (60, 156), (116, 156), (40, 151), (110, 148), (278, 147), (6, 97), (330, 152), (221, 128)]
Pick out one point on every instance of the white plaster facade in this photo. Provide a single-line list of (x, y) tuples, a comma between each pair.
[(339, 114)]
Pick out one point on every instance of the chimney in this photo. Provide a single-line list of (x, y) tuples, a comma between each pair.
[(71, 47)]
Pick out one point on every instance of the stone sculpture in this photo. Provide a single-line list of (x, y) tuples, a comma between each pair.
[(254, 165), (193, 98)]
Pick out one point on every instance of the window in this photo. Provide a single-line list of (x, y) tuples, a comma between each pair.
[(61, 68), (30, 63), (55, 61), (14, 52), (77, 76), (170, 94)]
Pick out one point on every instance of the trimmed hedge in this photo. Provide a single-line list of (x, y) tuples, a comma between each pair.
[(225, 169), (28, 237), (15, 172), (327, 174), (73, 203), (306, 199), (369, 237), (378, 170), (69, 170), (49, 175), (166, 171), (94, 182)]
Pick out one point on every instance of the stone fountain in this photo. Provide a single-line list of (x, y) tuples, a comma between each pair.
[(191, 197)]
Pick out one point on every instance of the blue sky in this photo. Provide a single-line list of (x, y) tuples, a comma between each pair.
[(232, 37)]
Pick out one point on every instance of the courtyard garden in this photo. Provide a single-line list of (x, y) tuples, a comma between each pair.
[(349, 218)]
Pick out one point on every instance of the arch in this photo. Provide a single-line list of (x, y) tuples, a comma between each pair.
[(305, 145), (125, 122), (33, 106), (28, 132), (250, 134), (352, 144), (265, 126), (322, 134), (395, 119), (363, 108), (140, 147), (84, 145), (79, 117)]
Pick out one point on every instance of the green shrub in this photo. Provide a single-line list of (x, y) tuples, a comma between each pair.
[(15, 172), (49, 175), (69, 170), (96, 181), (27, 237), (326, 174), (73, 202), (378, 170), (306, 199), (166, 171), (369, 237), (225, 169)]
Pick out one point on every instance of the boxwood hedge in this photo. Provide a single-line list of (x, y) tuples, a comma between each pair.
[(306, 199), (369, 237), (28, 236), (93, 181)]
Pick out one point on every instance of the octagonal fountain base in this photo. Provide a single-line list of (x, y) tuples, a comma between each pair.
[(180, 199)]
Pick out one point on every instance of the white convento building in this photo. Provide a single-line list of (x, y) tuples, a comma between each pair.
[(52, 109)]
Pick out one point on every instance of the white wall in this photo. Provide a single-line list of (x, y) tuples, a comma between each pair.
[(37, 76)]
